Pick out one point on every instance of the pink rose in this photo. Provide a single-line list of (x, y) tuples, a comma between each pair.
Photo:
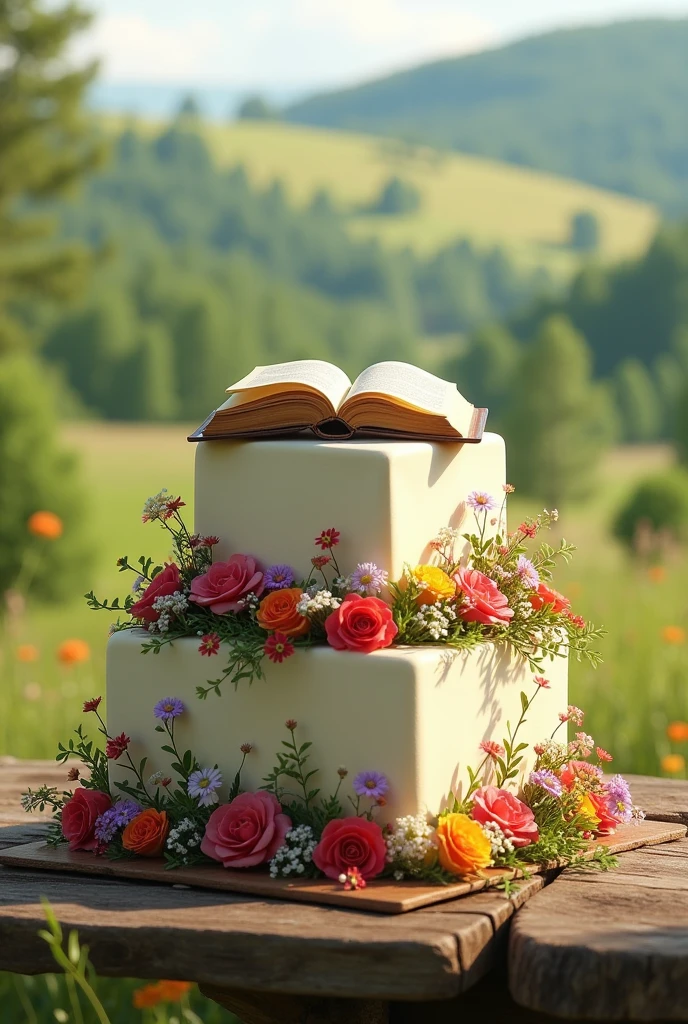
[(79, 816), (608, 822), (515, 818), (223, 586), (350, 843), (165, 583), (360, 624), (247, 831), (482, 600)]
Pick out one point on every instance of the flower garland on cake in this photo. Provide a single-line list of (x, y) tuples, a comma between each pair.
[(292, 828), (498, 594)]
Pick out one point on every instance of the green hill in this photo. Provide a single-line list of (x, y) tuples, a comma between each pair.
[(485, 202), (607, 105)]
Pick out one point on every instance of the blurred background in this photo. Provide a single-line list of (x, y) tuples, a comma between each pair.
[(497, 192)]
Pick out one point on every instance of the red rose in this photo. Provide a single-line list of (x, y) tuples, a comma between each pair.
[(583, 770), (165, 583), (223, 586), (515, 818), (482, 600), (350, 843), (79, 816), (360, 624), (608, 822), (546, 595), (247, 831)]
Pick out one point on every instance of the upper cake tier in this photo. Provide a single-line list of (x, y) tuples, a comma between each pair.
[(388, 499)]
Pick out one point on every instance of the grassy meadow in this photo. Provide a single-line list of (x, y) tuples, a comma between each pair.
[(487, 202), (629, 700)]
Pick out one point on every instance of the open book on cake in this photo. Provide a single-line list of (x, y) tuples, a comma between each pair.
[(390, 399)]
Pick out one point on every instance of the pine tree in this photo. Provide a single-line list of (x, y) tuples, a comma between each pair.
[(486, 371), (151, 392), (45, 147), (637, 402), (559, 423), (36, 475)]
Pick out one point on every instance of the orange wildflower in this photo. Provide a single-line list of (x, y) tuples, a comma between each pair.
[(72, 651), (677, 731), (673, 635), (172, 991), (27, 652), (656, 573), (45, 524), (159, 992), (672, 764)]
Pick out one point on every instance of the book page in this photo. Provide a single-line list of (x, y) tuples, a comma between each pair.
[(323, 377), (410, 385)]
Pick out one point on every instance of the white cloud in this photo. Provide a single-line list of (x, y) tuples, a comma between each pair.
[(264, 42)]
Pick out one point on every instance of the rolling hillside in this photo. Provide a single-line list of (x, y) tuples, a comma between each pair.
[(607, 105), (461, 196)]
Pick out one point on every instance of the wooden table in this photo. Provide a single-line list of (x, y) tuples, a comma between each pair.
[(587, 947)]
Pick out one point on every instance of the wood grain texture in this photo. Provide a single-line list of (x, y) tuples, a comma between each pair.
[(16, 776), (661, 799), (383, 896), (607, 947), (447, 951)]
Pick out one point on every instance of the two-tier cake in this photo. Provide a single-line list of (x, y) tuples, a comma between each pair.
[(417, 713)]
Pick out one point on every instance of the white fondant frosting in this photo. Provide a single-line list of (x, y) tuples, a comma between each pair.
[(416, 714), (270, 499)]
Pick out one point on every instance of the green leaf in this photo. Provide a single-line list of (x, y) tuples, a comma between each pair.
[(524, 701)]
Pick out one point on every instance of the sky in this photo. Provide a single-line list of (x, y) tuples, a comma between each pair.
[(301, 44)]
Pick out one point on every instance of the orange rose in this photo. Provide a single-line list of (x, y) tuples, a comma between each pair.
[(463, 846), (45, 524), (146, 833), (278, 612), (436, 585)]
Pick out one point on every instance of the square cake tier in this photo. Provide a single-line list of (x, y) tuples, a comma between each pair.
[(416, 714), (270, 499)]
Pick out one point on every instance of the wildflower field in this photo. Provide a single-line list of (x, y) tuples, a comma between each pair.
[(53, 658)]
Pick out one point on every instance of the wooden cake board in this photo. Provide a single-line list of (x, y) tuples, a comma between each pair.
[(384, 896)]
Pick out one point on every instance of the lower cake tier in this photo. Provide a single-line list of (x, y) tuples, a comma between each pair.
[(417, 714)]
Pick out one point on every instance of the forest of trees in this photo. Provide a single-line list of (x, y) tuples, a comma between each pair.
[(201, 277), (603, 104)]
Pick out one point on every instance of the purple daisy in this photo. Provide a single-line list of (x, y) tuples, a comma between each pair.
[(371, 784), (115, 818), (481, 501), (368, 578), (619, 798), (547, 780), (203, 785), (278, 577), (527, 572), (169, 708)]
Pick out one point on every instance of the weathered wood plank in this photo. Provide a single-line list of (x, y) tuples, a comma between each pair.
[(156, 931), (607, 947), (661, 799), (384, 896)]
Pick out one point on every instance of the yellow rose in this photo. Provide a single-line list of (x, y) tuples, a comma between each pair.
[(587, 808), (463, 846), (436, 585)]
